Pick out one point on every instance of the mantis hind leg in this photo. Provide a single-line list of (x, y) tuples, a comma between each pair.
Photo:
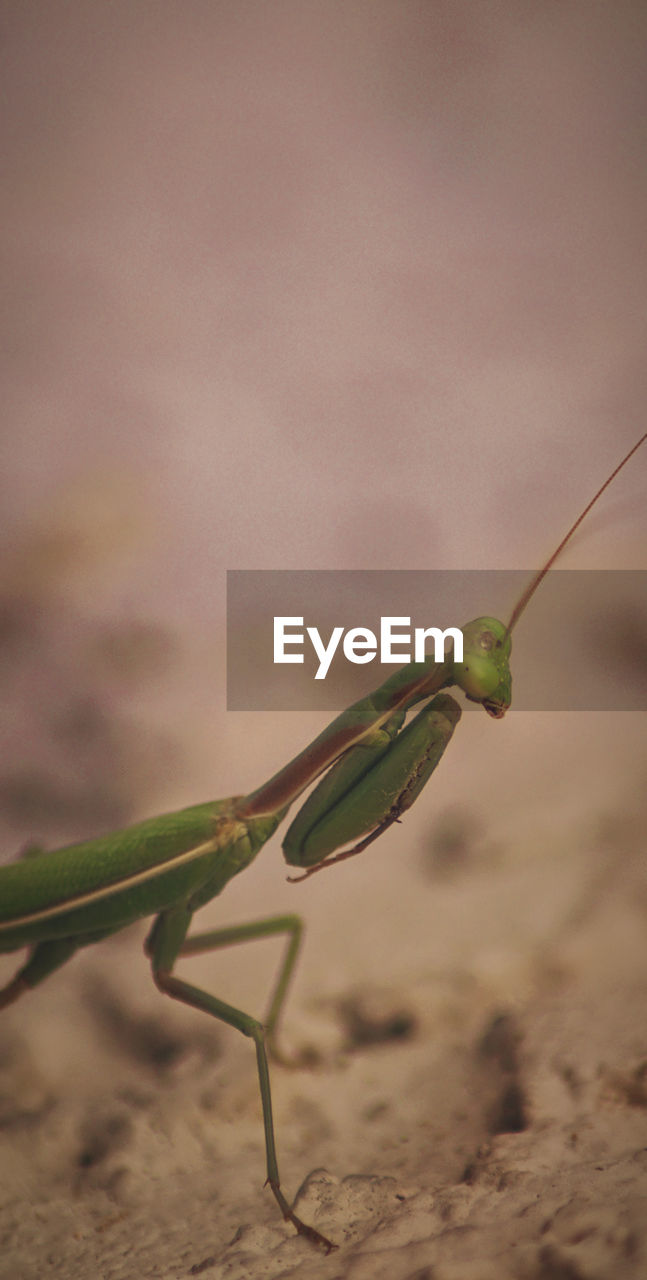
[(45, 958), (165, 944)]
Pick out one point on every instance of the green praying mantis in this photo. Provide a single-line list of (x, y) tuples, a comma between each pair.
[(373, 766)]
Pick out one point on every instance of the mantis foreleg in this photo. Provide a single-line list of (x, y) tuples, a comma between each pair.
[(370, 787)]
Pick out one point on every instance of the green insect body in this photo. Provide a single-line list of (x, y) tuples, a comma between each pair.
[(371, 767), (99, 886)]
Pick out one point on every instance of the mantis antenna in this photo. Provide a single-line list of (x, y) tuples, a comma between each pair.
[(541, 573)]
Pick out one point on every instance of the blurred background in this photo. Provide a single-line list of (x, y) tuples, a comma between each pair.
[(308, 285)]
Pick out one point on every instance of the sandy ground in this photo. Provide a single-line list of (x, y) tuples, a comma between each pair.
[(477, 1105), (314, 286)]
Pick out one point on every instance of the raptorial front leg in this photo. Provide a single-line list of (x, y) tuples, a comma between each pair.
[(394, 816), (368, 789), (164, 945)]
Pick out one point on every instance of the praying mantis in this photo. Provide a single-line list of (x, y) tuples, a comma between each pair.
[(371, 768)]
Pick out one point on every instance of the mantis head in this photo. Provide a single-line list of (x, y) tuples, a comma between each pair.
[(484, 674)]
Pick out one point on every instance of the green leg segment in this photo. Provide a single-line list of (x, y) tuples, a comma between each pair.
[(291, 925), (165, 944), (44, 959)]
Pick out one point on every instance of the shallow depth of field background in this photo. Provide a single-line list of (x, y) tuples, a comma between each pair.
[(310, 285)]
